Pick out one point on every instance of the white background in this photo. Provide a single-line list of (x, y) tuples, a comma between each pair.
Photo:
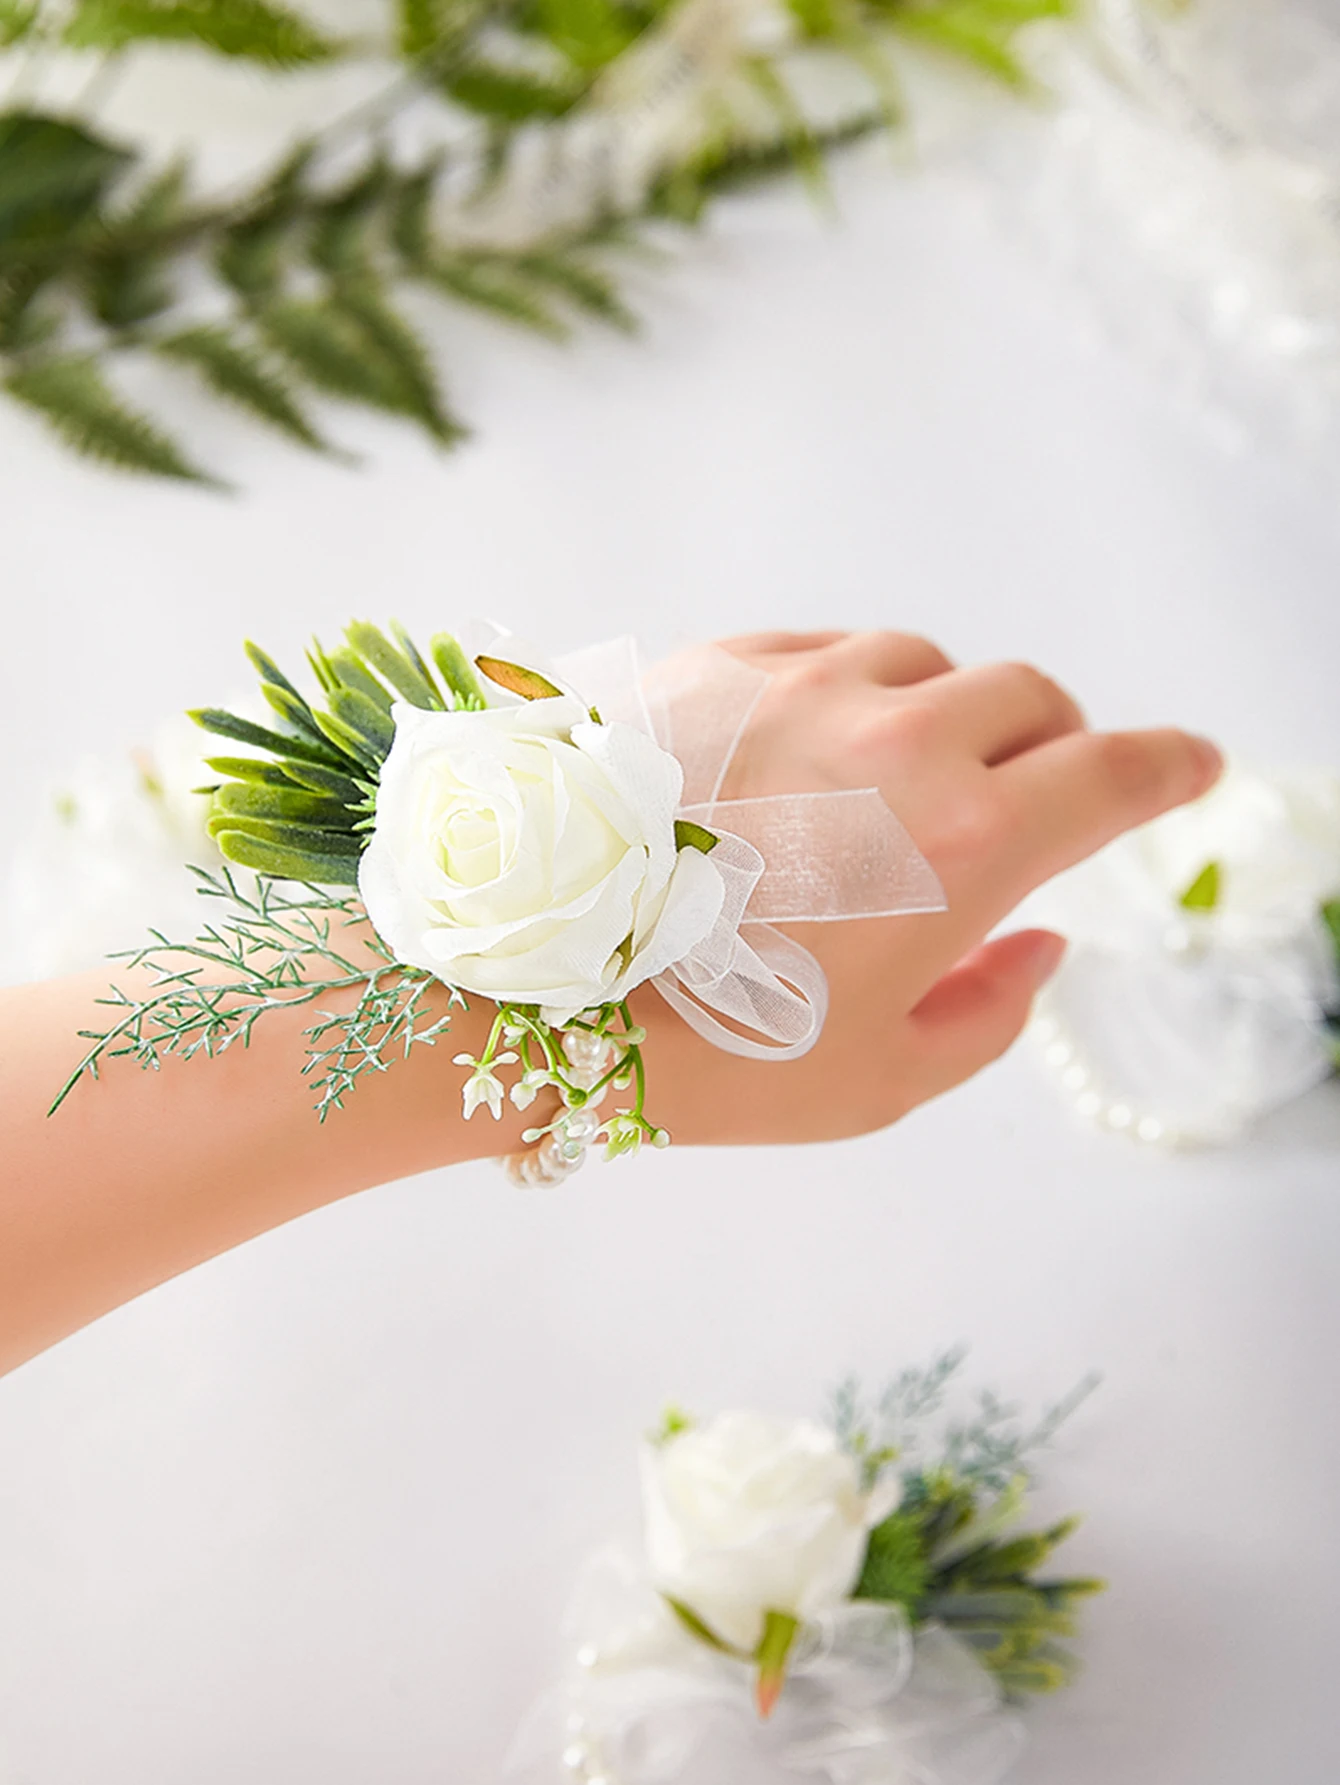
[(310, 1513)]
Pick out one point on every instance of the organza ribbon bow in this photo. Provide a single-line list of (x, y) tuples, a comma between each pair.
[(789, 858), (866, 1701)]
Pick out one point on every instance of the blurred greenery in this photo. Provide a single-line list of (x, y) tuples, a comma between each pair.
[(104, 254)]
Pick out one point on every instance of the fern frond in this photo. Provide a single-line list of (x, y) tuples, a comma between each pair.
[(237, 372), (511, 95), (71, 393), (581, 284), (17, 18), (405, 359), (53, 176), (251, 30), (493, 285)]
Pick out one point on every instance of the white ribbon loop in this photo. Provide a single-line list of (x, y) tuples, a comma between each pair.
[(867, 1702), (789, 858)]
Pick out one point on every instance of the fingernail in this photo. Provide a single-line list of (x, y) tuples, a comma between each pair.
[(1045, 956), (1209, 758)]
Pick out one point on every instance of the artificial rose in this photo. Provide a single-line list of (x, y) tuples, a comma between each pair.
[(749, 1515), (527, 853)]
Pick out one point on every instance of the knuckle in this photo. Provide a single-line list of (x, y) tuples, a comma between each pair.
[(891, 733), (1039, 687), (967, 831)]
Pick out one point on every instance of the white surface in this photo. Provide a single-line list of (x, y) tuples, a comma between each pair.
[(310, 1512)]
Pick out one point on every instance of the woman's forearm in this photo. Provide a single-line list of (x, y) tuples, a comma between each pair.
[(143, 1174)]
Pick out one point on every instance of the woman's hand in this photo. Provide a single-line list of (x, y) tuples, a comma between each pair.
[(1000, 783)]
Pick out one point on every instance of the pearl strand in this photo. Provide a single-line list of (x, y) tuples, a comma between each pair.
[(1062, 1050), (563, 1150)]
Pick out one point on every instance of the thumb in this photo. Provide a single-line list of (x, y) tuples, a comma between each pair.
[(972, 1015)]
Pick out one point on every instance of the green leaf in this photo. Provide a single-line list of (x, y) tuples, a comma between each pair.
[(780, 1630), (341, 235), (1203, 892), (17, 18), (1004, 1605), (287, 863), (896, 1569), (353, 346), (495, 286), (1330, 916), (250, 768), (511, 95), (254, 252), (248, 799), (589, 33), (323, 780), (244, 731), (53, 175), (407, 677), (354, 674), (366, 717), (285, 834), (404, 354), (410, 223), (351, 740), (580, 284), (977, 31), (71, 393), (456, 671), (236, 371), (528, 683), (689, 835), (249, 29)]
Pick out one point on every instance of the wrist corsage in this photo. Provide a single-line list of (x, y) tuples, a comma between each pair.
[(858, 1599), (547, 836)]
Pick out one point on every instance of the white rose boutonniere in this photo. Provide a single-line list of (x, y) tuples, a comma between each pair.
[(753, 1525)]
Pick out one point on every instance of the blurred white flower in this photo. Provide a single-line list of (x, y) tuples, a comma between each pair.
[(106, 858), (1182, 1022), (749, 1514)]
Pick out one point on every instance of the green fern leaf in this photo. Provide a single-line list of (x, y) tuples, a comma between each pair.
[(580, 283), (589, 33), (353, 346), (355, 676), (483, 282), (341, 233), (511, 95), (248, 29), (403, 355), (410, 224), (237, 372), (73, 396), (53, 176)]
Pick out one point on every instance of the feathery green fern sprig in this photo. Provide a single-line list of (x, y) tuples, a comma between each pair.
[(306, 274)]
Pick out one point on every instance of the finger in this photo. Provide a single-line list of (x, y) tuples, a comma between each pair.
[(999, 710), (1070, 797), (892, 659), (778, 644), (975, 1012)]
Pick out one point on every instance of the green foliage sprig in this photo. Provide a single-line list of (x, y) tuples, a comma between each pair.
[(303, 272), (951, 1551), (296, 812)]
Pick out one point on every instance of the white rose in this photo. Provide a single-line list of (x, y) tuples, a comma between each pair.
[(528, 854), (748, 1515)]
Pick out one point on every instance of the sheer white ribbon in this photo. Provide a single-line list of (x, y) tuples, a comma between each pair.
[(866, 1702), (793, 858)]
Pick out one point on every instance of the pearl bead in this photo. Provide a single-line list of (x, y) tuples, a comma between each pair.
[(1059, 1053), (588, 1655), (1150, 1128), (1089, 1104), (1074, 1078), (1119, 1116)]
